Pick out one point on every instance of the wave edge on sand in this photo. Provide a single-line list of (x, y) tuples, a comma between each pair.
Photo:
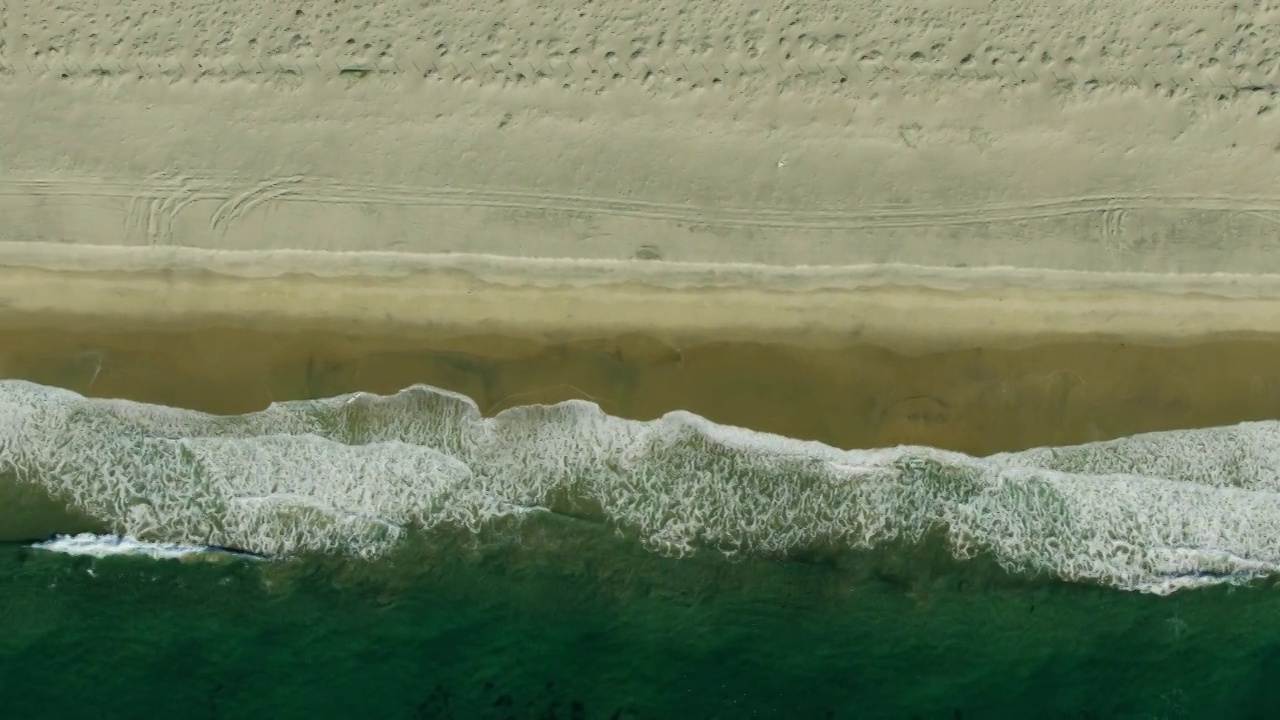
[(353, 474)]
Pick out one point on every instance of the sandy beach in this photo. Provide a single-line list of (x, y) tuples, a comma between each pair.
[(980, 228)]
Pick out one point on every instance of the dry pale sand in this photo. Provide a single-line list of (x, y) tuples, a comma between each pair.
[(1096, 136), (893, 188)]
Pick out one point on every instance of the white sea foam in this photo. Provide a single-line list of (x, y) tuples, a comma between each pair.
[(351, 474), (108, 545)]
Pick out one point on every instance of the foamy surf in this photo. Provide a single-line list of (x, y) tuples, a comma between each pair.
[(353, 474), (101, 546)]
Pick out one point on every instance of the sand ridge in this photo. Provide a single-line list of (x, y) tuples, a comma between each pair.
[(908, 309), (577, 272)]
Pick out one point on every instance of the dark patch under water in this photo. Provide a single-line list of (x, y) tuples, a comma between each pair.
[(471, 629)]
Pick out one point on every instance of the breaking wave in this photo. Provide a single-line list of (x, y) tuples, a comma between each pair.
[(101, 546), (353, 474)]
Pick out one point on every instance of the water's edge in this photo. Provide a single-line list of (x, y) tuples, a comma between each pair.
[(359, 474)]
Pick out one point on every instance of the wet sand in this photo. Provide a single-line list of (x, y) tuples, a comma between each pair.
[(976, 400)]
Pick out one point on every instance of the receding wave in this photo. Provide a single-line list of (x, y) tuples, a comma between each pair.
[(353, 474)]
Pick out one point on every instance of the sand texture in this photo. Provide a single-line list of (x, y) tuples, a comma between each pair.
[(1089, 136), (920, 178)]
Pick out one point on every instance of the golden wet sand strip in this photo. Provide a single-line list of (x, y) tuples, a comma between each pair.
[(976, 400)]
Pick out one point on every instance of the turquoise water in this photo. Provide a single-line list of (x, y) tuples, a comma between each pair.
[(412, 559)]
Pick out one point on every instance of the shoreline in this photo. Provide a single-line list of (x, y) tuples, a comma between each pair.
[(1001, 367), (978, 361)]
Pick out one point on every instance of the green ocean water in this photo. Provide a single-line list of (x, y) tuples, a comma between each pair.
[(498, 633), (411, 558)]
